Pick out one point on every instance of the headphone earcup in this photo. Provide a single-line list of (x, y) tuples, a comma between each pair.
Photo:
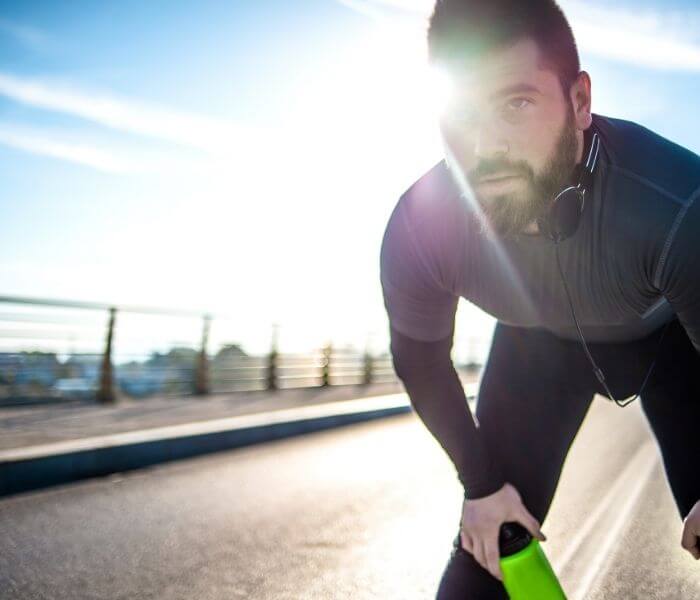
[(565, 214)]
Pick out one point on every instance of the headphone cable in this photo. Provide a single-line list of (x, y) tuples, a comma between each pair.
[(596, 369)]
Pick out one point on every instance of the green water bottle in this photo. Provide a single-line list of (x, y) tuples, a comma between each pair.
[(527, 574)]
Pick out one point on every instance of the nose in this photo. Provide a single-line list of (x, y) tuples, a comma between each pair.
[(489, 142)]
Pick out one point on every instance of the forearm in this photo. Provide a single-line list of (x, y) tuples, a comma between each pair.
[(437, 396)]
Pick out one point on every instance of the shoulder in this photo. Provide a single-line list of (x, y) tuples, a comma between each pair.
[(648, 180), (427, 231), (432, 218), (432, 191), (434, 209), (647, 162), (420, 259)]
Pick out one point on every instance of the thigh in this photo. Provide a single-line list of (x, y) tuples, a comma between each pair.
[(530, 405), (533, 397), (671, 404)]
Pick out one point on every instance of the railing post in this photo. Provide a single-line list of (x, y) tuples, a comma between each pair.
[(105, 393), (201, 384), (326, 370), (368, 360), (369, 366), (272, 361)]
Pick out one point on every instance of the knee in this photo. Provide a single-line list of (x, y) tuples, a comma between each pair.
[(464, 578)]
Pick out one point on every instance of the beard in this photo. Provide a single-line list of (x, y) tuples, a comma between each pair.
[(509, 213)]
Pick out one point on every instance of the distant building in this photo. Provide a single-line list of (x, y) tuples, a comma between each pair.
[(228, 353), (36, 368), (85, 366)]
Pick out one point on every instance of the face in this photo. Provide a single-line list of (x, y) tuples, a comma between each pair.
[(512, 136)]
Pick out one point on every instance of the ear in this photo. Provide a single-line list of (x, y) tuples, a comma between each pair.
[(580, 98)]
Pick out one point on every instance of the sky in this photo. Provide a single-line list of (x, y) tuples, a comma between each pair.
[(242, 158)]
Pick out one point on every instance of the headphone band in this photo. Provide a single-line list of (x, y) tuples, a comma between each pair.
[(585, 179), (563, 216)]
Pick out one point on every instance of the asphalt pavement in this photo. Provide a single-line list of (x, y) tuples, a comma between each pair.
[(364, 511)]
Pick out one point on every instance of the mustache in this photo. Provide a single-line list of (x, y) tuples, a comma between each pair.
[(491, 169)]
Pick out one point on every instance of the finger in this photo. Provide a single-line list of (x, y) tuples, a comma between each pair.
[(695, 551), (467, 542), (492, 557), (479, 554), (531, 524), (689, 541), (692, 544)]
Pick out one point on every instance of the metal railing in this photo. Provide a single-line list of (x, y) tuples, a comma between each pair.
[(58, 349)]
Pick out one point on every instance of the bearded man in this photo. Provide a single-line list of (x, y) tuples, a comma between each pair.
[(580, 234)]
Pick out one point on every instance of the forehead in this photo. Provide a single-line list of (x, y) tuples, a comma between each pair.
[(502, 68)]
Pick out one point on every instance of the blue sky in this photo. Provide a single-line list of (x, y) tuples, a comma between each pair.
[(243, 157)]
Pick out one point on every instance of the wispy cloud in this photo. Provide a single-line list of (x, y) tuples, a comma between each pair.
[(646, 38), (193, 130), (36, 142), (367, 9), (653, 39), (385, 9), (416, 7), (120, 158), (26, 35)]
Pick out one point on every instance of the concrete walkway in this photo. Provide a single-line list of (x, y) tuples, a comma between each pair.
[(47, 445), (40, 424)]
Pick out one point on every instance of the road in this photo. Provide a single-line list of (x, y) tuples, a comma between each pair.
[(363, 511)]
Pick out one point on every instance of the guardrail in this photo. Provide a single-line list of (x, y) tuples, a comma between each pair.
[(56, 349)]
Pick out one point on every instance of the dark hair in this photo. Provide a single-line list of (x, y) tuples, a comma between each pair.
[(464, 29)]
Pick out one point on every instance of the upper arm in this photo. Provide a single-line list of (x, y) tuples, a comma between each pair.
[(418, 304)]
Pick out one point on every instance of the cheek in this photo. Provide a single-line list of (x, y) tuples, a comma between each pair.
[(531, 151), (537, 142)]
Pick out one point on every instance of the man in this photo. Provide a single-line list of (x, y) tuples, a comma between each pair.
[(517, 131)]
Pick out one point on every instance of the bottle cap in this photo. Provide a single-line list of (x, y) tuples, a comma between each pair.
[(512, 538)]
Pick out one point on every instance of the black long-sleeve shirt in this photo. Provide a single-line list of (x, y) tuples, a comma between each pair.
[(632, 264)]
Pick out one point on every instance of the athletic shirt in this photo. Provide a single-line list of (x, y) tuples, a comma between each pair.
[(632, 265)]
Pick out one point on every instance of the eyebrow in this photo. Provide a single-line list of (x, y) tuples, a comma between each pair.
[(517, 88)]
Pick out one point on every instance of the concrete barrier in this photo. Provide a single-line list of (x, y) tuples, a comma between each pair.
[(40, 466)]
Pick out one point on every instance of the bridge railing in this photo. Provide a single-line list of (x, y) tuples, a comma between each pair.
[(58, 349)]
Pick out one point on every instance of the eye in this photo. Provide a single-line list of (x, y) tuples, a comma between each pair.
[(517, 103)]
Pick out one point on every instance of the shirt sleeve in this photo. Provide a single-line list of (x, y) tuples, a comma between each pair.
[(438, 398), (422, 318), (416, 303), (679, 268)]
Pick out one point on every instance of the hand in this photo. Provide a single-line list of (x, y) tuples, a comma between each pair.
[(691, 531), (481, 523)]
